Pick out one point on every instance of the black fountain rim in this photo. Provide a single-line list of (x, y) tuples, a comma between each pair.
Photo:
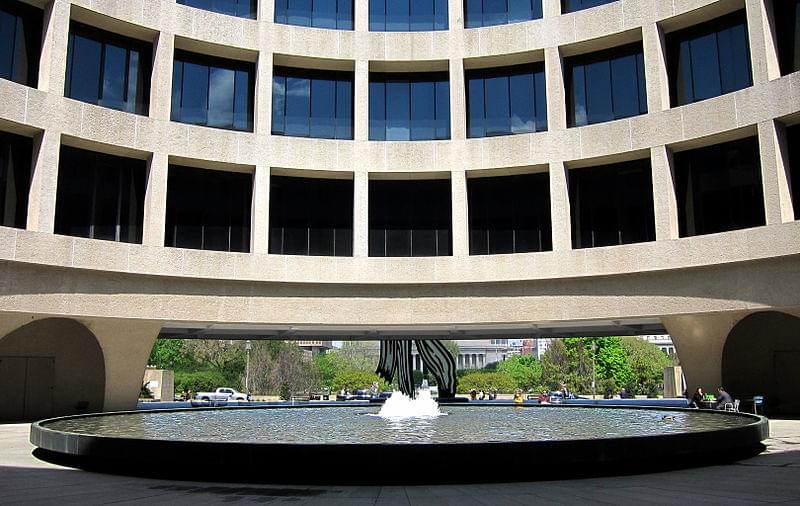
[(279, 462)]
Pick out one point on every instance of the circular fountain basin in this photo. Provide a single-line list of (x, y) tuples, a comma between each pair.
[(354, 445)]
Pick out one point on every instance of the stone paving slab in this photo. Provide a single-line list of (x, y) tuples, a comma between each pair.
[(773, 477)]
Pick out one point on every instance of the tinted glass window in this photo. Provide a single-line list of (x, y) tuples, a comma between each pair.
[(787, 28), (509, 214), (208, 209), (409, 218), (793, 142), (312, 103), (15, 179), (407, 15), (20, 42), (506, 101), (709, 60), (719, 188), (606, 85), (612, 204), (499, 12), (579, 5), (212, 92), (334, 14), (239, 8), (404, 107), (310, 216), (108, 70), (100, 196)]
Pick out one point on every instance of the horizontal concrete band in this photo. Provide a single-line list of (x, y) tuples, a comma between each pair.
[(735, 114)]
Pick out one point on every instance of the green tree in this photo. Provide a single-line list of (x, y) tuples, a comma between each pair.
[(198, 381), (556, 367), (327, 367), (647, 363), (486, 381), (525, 370), (354, 380), (170, 354)]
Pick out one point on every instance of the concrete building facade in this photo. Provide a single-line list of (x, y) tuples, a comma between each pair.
[(84, 312)]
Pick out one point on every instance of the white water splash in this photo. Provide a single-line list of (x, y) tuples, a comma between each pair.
[(400, 406)]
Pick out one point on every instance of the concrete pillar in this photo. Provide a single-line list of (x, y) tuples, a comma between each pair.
[(551, 8), (655, 68), (554, 84), (55, 34), (161, 89), (126, 346), (763, 47), (259, 218), (266, 11), (455, 15), (560, 207), (360, 214), (664, 200), (361, 15), (458, 100), (155, 200), (458, 190), (699, 341), (263, 101), (673, 382), (775, 172), (44, 182), (361, 97)]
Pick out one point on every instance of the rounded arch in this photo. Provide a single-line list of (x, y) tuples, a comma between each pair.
[(761, 356), (51, 367)]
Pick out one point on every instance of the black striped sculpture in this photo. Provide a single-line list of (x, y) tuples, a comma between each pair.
[(396, 359)]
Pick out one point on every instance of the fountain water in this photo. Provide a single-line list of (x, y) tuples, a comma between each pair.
[(400, 406)]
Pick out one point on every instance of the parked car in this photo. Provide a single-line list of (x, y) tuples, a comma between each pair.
[(222, 394), (355, 395)]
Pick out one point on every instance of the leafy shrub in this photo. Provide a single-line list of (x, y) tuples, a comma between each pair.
[(486, 381)]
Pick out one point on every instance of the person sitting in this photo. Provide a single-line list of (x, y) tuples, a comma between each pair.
[(723, 398), (697, 398), (518, 399), (623, 394), (544, 397)]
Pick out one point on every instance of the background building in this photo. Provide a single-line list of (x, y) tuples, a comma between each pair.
[(263, 169)]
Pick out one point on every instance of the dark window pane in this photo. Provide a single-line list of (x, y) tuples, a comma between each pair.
[(708, 60), (522, 107), (100, 196), (415, 107), (578, 5), (495, 12), (240, 8), (344, 15), (506, 100), (577, 105), (612, 204), (441, 15), (422, 15), (243, 101), (793, 143), (312, 103), (377, 111), (220, 97), (324, 14), (84, 75), (625, 87), (8, 38), (423, 110), (598, 100), (409, 218), (473, 13), (442, 109), (397, 16), (377, 15), (20, 42), (15, 176), (194, 94), (718, 188), (208, 209), (787, 31), (398, 110), (298, 12)]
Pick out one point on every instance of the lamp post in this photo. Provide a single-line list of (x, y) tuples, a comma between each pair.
[(247, 347), (594, 370)]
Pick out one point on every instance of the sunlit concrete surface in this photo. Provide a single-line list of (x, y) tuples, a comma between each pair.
[(772, 477)]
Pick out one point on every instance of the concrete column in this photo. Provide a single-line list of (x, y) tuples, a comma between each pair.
[(44, 182), (263, 101), (559, 207), (775, 172), (126, 346), (458, 100), (266, 11), (455, 15), (699, 341), (53, 61), (361, 97), (655, 68), (259, 218), (458, 189), (763, 47), (161, 89), (664, 200), (361, 15), (360, 214), (155, 200), (554, 84), (551, 8)]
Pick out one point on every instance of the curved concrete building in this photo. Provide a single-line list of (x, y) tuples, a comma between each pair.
[(455, 169)]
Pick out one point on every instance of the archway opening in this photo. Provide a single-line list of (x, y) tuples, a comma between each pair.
[(51, 367), (760, 357)]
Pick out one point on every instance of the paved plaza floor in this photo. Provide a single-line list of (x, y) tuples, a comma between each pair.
[(771, 477)]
